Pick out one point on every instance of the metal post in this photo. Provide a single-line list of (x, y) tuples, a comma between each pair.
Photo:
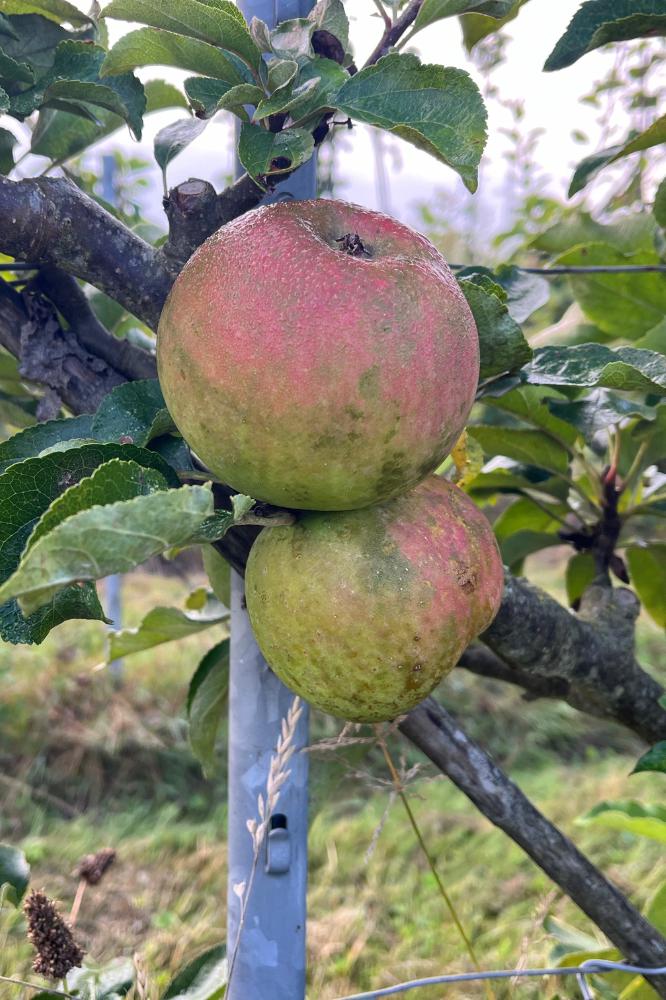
[(114, 584), (270, 964)]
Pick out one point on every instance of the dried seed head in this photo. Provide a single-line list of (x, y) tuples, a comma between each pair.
[(94, 866), (51, 936)]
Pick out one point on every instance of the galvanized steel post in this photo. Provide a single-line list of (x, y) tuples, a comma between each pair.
[(271, 959)]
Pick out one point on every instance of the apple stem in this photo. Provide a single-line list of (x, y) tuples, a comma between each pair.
[(352, 244)]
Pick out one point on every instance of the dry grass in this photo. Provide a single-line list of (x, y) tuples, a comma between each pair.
[(120, 758)]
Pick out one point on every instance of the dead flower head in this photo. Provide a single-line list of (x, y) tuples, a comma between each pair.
[(94, 866), (51, 936)]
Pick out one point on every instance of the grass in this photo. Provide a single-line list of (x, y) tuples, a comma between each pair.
[(118, 759)]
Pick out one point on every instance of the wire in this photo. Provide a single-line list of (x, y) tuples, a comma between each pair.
[(19, 266), (584, 269), (592, 966)]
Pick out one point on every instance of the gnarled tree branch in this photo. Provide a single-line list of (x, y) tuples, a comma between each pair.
[(586, 658), (50, 355), (69, 299), (48, 220)]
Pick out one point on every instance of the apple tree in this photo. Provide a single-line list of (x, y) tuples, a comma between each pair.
[(566, 442)]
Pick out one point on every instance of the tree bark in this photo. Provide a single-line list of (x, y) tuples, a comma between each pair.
[(51, 355), (441, 739), (586, 658), (48, 220)]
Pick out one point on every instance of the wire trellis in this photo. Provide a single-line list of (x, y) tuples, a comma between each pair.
[(591, 967), (572, 269)]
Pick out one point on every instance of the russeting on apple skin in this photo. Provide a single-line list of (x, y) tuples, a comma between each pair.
[(318, 355), (363, 612)]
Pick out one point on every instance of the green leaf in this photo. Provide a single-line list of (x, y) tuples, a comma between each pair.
[(651, 434), (7, 28), (525, 292), (220, 24), (288, 99), (12, 71), (581, 571), (436, 10), (329, 15), (654, 759), (525, 515), (659, 207), (598, 411), (115, 480), (623, 304), (206, 702), (216, 526), (133, 413), (261, 34), (599, 22), (53, 10), (653, 135), (74, 77), (174, 451), (630, 817), (174, 138), (156, 47), (330, 77), (162, 625), (60, 135), (33, 440), (627, 368), (72, 602), (263, 153), (218, 571), (529, 446), (531, 404), (36, 42), (281, 72), (293, 39), (435, 108), (208, 96), (654, 339), (204, 978), (521, 544), (588, 168), (633, 233), (647, 566), (501, 342), (4, 100), (27, 489), (476, 27), (512, 477), (103, 540), (7, 142), (14, 874), (107, 982)]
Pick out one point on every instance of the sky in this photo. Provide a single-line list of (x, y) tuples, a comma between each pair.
[(551, 103)]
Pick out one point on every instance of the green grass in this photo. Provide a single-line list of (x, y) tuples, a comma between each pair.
[(119, 760)]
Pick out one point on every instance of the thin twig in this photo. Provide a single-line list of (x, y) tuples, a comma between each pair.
[(382, 10), (398, 785), (36, 986), (78, 899)]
